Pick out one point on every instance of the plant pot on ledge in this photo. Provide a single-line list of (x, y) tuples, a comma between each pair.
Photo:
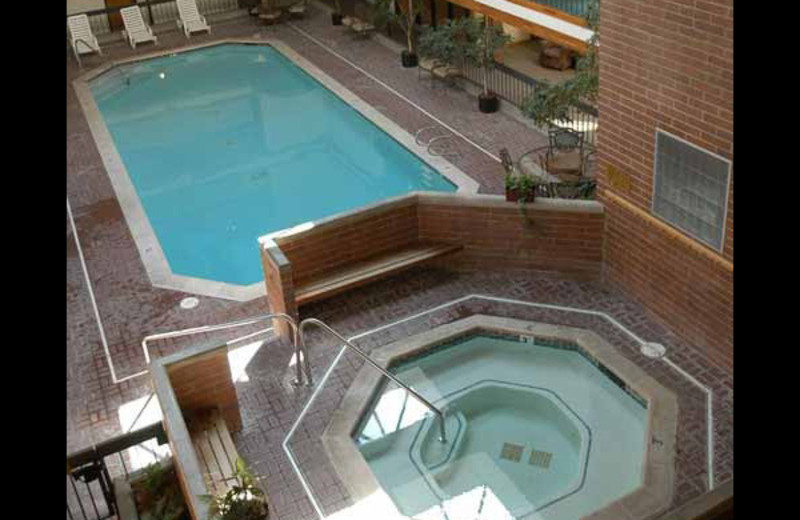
[(409, 59), (336, 18), (488, 103)]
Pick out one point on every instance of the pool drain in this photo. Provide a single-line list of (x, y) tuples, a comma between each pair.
[(540, 458), (189, 303), (512, 452), (653, 350)]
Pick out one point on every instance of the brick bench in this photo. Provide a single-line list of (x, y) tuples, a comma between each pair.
[(215, 450)]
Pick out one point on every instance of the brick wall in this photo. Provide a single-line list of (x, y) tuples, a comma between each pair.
[(565, 238), (204, 381), (555, 236), (668, 65), (336, 242)]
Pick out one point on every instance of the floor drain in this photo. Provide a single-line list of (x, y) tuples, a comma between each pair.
[(189, 303), (540, 458), (512, 452), (653, 350)]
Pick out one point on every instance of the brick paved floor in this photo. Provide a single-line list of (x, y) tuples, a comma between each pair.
[(131, 308)]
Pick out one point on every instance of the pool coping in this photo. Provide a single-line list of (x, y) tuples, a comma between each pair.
[(653, 496), (147, 243)]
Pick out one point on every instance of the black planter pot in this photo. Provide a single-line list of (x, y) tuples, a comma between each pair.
[(409, 59), (488, 104), (336, 18)]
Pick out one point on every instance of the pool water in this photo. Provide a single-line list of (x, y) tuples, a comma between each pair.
[(228, 143), (534, 432)]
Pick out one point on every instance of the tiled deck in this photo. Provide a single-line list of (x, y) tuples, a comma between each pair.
[(131, 308)]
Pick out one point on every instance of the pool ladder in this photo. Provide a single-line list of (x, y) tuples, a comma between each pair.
[(439, 142), (303, 363)]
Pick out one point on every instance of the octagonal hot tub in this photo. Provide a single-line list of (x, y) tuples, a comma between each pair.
[(542, 422)]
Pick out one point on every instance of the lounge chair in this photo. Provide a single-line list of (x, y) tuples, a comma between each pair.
[(298, 10), (189, 18), (82, 39), (136, 31)]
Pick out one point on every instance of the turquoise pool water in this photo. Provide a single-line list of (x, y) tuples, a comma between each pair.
[(229, 143), (534, 432)]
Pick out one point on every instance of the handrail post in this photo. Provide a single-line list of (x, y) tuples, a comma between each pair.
[(247, 321), (369, 360)]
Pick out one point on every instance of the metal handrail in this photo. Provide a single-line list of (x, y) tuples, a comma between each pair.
[(323, 326), (77, 53), (240, 323)]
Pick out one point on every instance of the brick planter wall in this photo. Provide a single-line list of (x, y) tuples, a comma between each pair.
[(557, 236), (667, 65)]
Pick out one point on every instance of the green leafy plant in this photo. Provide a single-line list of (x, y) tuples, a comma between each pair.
[(243, 501), (465, 41), (405, 19), (158, 495), (551, 102), (523, 185)]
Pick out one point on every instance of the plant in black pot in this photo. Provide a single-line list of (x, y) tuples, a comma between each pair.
[(243, 501), (402, 13), (486, 41), (336, 14)]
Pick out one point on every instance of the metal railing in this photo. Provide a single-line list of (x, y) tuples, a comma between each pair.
[(90, 490), (573, 7), (298, 345), (514, 86), (155, 12), (365, 357)]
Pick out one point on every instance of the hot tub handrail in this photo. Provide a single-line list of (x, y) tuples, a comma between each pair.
[(239, 323), (365, 356)]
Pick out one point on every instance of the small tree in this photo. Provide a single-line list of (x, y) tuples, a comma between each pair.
[(405, 19), (548, 102), (487, 40), (441, 44)]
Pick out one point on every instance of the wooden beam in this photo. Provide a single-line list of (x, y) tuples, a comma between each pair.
[(538, 30)]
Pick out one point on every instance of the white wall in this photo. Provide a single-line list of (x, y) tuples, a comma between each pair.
[(79, 6)]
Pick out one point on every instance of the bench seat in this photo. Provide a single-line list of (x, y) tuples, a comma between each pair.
[(369, 269), (215, 450)]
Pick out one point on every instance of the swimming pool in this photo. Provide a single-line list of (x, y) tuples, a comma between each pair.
[(542, 422), (226, 143)]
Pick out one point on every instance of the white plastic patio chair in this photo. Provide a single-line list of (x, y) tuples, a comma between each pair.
[(82, 39), (136, 31), (189, 18)]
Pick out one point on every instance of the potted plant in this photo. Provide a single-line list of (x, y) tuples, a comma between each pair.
[(409, 10), (244, 501), (521, 188), (486, 43), (157, 493), (552, 102), (336, 14), (441, 45), (468, 41)]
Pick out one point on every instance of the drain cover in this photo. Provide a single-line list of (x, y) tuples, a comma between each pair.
[(540, 458), (512, 452), (189, 303), (653, 350)]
